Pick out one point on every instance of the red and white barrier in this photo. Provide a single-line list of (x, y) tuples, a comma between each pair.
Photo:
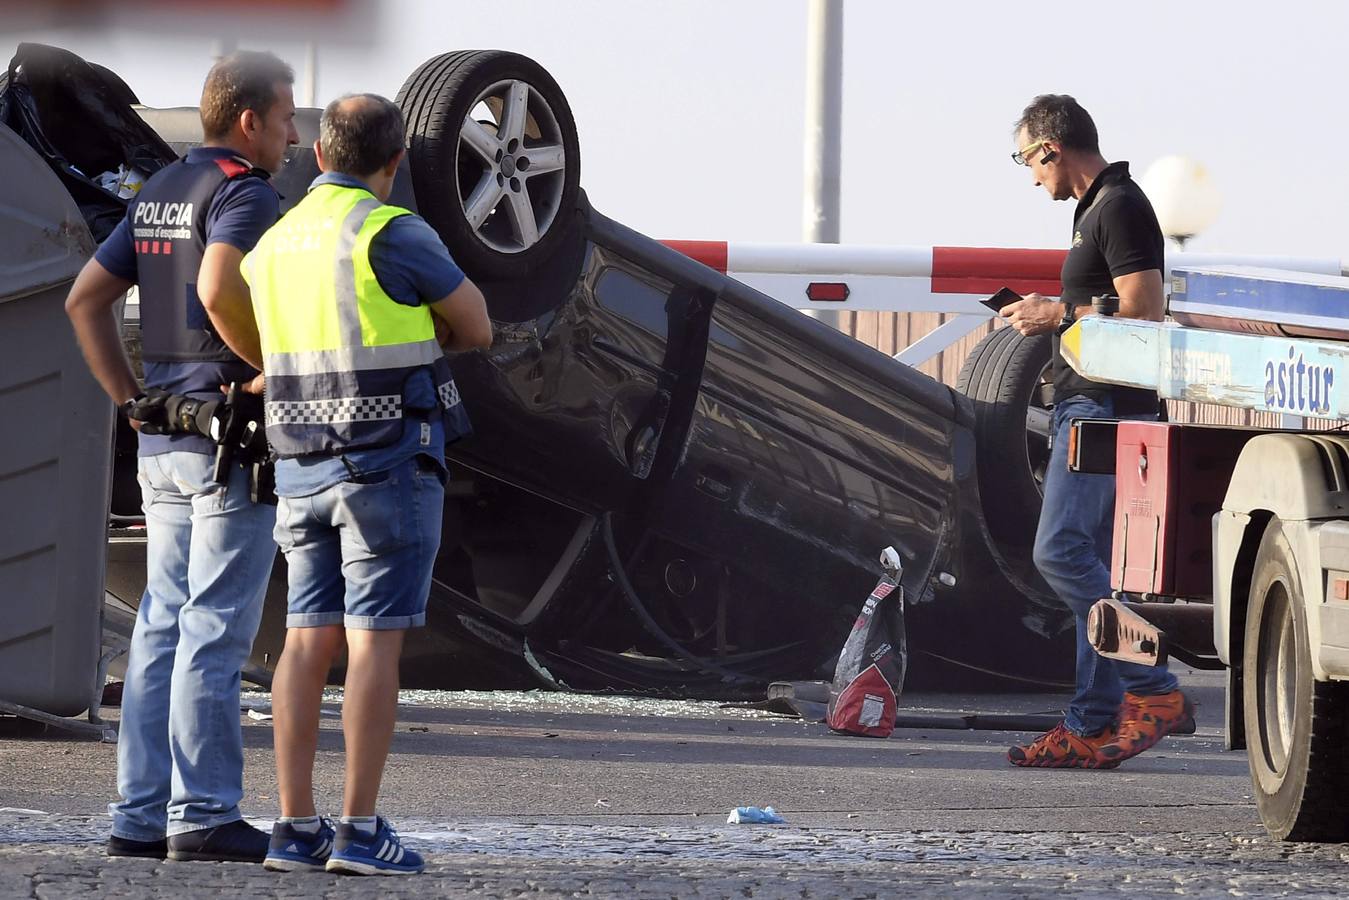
[(921, 279)]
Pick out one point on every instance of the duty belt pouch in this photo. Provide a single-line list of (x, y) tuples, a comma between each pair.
[(864, 696), (262, 482), (241, 440)]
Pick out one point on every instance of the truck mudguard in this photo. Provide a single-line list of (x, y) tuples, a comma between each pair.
[(1302, 480)]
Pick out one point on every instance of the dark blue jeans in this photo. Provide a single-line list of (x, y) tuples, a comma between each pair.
[(1072, 552)]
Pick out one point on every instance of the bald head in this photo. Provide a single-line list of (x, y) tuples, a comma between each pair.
[(360, 134)]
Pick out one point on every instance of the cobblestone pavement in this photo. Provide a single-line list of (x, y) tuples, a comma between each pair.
[(61, 856), (537, 794)]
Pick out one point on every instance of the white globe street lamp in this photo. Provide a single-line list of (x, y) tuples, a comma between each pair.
[(1183, 195)]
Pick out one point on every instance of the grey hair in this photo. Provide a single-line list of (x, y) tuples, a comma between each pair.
[(1059, 118), (360, 138)]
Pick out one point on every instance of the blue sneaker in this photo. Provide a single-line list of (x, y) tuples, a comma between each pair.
[(381, 854), (295, 850)]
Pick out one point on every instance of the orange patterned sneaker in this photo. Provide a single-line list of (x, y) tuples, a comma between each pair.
[(1146, 720), (1059, 748)]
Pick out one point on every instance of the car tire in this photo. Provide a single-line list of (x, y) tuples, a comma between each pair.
[(1296, 727), (1006, 375), (494, 157)]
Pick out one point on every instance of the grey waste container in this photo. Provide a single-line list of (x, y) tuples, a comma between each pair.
[(55, 450)]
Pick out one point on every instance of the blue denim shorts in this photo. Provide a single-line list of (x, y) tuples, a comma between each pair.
[(360, 553)]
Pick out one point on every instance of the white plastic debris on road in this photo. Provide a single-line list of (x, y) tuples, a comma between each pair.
[(753, 815)]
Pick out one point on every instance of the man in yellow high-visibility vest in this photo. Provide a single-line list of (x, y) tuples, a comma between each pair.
[(346, 291)]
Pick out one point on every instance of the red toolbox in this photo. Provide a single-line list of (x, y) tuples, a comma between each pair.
[(1170, 480)]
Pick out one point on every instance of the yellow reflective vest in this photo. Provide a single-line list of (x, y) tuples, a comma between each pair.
[(336, 348)]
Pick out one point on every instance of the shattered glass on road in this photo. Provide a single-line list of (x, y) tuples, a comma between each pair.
[(542, 701), (508, 859)]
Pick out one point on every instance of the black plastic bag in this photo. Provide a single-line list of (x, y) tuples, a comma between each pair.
[(78, 117)]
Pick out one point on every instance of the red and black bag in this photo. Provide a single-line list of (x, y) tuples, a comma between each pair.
[(864, 697)]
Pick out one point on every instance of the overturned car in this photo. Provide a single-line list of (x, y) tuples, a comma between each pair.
[(676, 484)]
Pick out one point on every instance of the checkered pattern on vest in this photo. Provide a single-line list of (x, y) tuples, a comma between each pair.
[(329, 412), (339, 358)]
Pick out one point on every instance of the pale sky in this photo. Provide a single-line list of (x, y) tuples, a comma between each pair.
[(690, 112)]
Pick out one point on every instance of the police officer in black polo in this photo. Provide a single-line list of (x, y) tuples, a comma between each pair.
[(1120, 709), (209, 545)]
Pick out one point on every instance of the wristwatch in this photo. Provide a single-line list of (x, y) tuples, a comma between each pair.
[(126, 406), (1069, 316)]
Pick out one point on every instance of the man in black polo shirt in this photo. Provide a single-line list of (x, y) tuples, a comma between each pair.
[(1120, 709)]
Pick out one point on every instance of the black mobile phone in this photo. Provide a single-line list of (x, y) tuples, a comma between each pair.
[(1004, 297)]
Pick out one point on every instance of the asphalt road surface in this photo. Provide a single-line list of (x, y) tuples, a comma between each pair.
[(538, 794)]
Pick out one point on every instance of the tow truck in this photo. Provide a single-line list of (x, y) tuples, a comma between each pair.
[(1231, 546)]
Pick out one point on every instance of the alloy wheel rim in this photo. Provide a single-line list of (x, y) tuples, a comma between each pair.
[(1039, 424), (511, 165)]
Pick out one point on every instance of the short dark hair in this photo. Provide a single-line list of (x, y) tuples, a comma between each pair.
[(246, 79), (361, 133), (1059, 118)]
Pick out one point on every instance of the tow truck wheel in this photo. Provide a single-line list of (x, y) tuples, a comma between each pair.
[(1296, 727), (1007, 377), (495, 161)]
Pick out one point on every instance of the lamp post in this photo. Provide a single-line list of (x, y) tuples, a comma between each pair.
[(824, 128), (1183, 195)]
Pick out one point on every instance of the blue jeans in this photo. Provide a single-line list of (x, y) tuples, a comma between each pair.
[(1072, 552), (209, 554), (359, 554)]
